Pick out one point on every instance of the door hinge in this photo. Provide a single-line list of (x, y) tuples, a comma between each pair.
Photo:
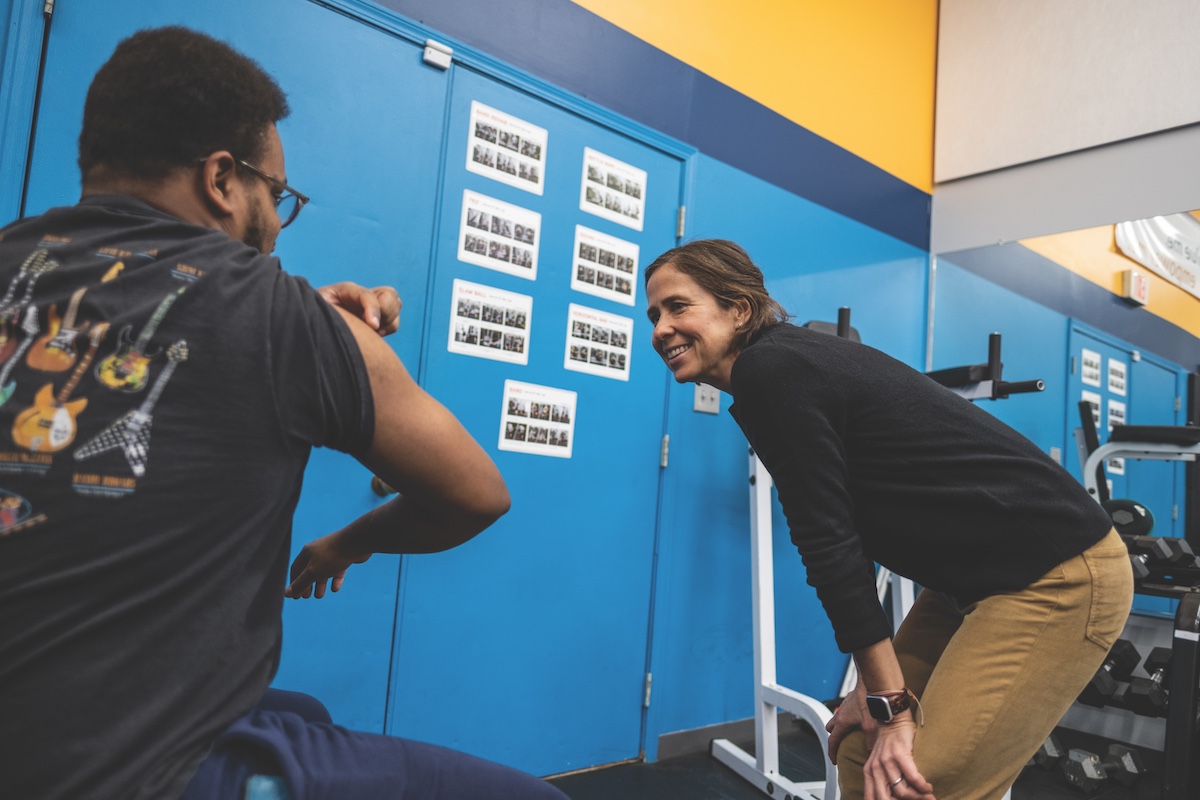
[(646, 695), (680, 221), (48, 8), (1072, 365), (1178, 404), (666, 447), (1175, 512)]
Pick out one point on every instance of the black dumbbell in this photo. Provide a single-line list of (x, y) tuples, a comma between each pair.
[(1148, 696), (1162, 550), (1118, 665), (1049, 754), (1129, 517), (1086, 771)]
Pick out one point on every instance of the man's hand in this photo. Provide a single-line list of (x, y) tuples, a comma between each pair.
[(379, 308), (322, 560)]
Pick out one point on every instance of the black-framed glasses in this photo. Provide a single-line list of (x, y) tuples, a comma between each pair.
[(288, 202)]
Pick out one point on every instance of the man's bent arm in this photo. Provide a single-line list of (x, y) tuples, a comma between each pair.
[(450, 489)]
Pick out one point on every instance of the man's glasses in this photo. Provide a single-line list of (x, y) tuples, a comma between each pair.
[(288, 202)]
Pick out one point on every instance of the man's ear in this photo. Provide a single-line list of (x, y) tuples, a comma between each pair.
[(218, 182)]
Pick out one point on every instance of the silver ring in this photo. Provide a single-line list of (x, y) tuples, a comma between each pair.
[(895, 782)]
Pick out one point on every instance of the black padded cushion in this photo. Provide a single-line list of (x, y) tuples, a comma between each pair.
[(1183, 435)]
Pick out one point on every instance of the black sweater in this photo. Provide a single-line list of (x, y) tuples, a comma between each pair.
[(875, 462)]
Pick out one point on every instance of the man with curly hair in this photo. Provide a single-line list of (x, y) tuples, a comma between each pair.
[(151, 461)]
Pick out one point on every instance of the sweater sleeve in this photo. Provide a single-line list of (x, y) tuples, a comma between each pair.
[(795, 417)]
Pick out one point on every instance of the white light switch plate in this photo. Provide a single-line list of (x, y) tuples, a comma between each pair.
[(708, 399)]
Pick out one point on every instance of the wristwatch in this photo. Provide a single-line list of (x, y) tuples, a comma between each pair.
[(884, 706)]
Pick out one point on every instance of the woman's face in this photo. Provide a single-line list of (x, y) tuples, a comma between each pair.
[(693, 333)]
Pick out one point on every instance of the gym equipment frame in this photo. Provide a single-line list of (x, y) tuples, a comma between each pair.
[(762, 769), (1181, 751)]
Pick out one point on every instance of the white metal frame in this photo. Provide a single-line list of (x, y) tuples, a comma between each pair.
[(762, 769), (1138, 451)]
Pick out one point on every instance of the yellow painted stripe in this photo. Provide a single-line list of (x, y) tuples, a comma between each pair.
[(1092, 254), (860, 74)]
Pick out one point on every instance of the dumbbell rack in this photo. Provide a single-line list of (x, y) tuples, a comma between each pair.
[(1181, 766), (1181, 769)]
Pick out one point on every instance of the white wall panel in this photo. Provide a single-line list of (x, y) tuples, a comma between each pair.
[(1022, 80)]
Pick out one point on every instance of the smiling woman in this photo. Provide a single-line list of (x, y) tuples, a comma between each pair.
[(1026, 584)]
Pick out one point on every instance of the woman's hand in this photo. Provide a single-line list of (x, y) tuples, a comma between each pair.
[(850, 715), (890, 771)]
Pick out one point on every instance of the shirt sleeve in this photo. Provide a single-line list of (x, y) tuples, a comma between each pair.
[(322, 390), (795, 418)]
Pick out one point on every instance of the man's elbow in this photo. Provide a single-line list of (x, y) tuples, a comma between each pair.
[(494, 503)]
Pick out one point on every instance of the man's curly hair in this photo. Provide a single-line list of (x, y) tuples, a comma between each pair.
[(168, 96)]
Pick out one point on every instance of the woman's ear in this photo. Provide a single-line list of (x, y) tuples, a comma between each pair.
[(742, 312)]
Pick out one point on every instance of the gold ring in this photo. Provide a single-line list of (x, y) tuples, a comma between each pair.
[(893, 783)]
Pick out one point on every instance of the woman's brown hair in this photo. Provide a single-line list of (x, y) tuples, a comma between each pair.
[(725, 271)]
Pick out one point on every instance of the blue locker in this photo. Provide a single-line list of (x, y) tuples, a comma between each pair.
[(528, 645), (1132, 388)]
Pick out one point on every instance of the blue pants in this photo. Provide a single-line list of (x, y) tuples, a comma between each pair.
[(292, 735)]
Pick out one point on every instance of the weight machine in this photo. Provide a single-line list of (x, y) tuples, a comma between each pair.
[(1181, 751)]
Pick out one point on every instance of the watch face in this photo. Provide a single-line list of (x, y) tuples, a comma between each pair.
[(879, 707)]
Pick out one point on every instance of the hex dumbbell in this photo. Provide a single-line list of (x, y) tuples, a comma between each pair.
[(1129, 517), (1049, 754), (1086, 771), (1118, 665), (1148, 696)]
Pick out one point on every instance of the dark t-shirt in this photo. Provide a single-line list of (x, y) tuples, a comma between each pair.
[(162, 387), (875, 462)]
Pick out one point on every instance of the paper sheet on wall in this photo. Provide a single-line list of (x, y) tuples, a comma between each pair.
[(1094, 399), (598, 343), (1090, 369), (487, 322), (605, 266), (612, 189), (539, 420), (1116, 416), (499, 235), (1116, 377), (506, 149)]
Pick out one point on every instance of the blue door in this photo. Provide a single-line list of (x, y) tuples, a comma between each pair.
[(528, 644), (1131, 388), (363, 141)]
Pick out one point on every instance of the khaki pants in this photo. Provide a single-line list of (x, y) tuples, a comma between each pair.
[(995, 677)]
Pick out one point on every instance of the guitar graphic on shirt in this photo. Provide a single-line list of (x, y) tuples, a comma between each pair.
[(126, 370), (9, 326), (131, 432), (49, 424), (56, 351), (35, 266), (30, 327)]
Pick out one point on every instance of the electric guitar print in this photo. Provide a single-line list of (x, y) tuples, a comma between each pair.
[(131, 433), (126, 370), (35, 266), (29, 326), (49, 424), (55, 351)]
